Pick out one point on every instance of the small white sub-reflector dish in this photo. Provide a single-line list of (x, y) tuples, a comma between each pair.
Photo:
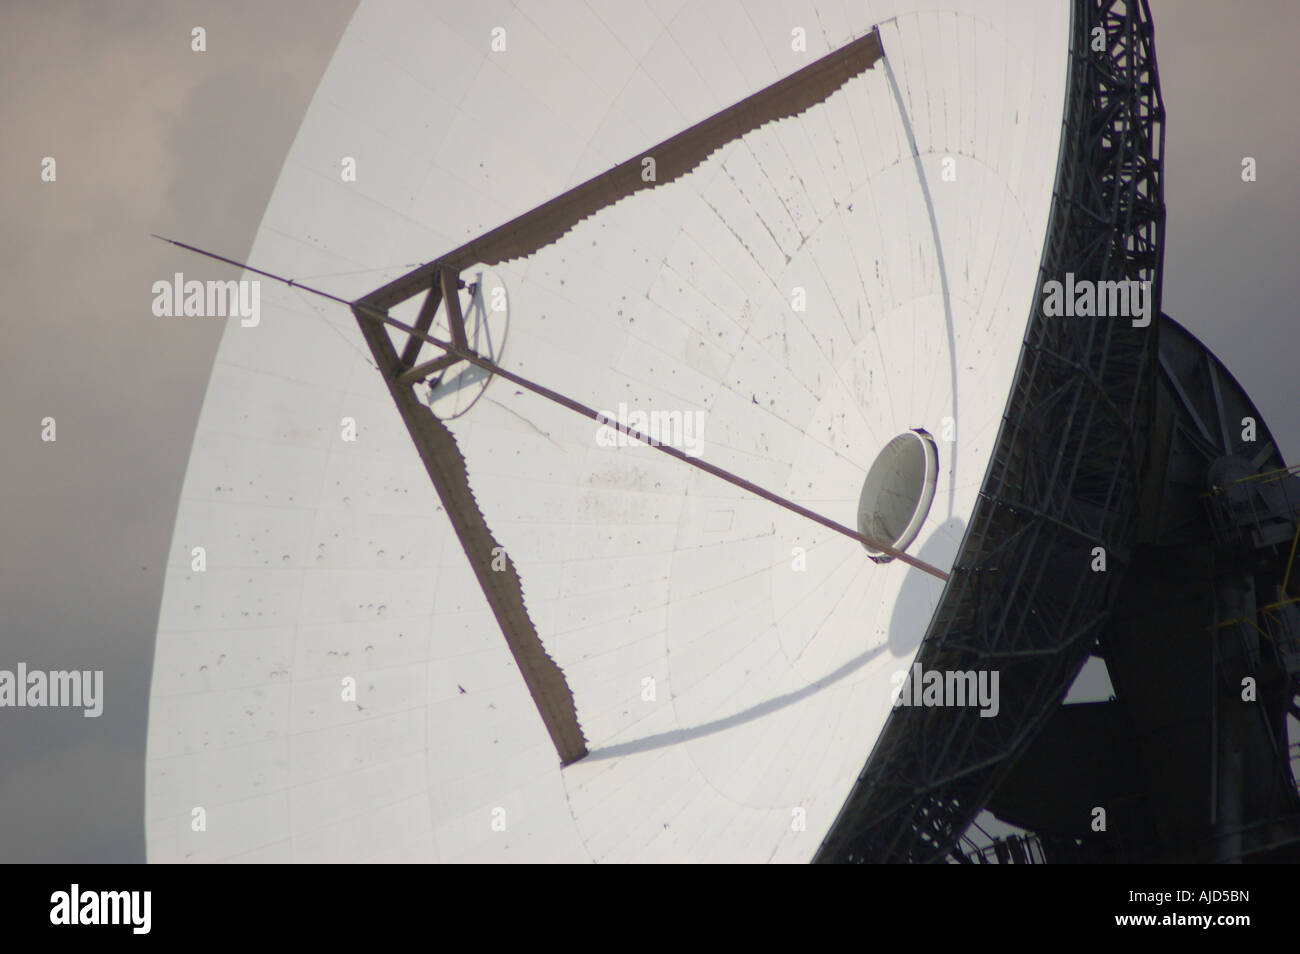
[(898, 491)]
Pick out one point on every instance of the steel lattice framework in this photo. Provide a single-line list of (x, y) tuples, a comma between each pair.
[(1065, 477)]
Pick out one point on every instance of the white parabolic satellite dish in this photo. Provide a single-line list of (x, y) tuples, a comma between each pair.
[(816, 288)]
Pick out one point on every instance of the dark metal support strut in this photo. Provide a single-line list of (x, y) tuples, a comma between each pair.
[(1065, 477)]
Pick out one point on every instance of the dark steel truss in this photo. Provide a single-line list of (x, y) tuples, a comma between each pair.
[(1065, 477)]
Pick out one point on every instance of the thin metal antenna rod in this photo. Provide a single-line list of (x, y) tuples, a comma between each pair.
[(668, 449), (249, 268), (376, 314)]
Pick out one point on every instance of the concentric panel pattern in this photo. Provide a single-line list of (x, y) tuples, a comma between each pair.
[(811, 291)]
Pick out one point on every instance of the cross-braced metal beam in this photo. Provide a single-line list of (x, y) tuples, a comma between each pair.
[(1065, 475)]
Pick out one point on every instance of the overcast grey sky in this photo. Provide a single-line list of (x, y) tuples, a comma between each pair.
[(148, 136), (151, 137)]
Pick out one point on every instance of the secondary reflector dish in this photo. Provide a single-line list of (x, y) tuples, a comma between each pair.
[(898, 491)]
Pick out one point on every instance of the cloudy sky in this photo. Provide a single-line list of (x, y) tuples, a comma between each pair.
[(149, 136)]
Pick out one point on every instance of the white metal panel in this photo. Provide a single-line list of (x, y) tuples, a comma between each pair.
[(329, 559)]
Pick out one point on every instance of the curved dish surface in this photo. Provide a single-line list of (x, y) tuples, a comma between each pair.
[(811, 290)]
